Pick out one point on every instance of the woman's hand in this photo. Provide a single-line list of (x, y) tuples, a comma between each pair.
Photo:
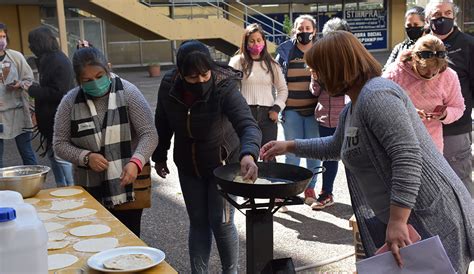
[(275, 148), (248, 168), (273, 115), (421, 113), (162, 169), (397, 236), (129, 174), (97, 162)]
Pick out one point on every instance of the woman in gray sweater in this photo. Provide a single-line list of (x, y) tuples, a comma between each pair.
[(105, 128), (395, 174)]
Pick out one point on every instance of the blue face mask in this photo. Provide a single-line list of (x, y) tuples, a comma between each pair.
[(97, 88)]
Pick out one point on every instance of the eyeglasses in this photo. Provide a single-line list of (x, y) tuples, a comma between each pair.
[(425, 54)]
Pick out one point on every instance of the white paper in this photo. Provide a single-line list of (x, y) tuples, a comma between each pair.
[(424, 257)]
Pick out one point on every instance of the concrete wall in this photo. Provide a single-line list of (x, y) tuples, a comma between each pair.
[(20, 20), (397, 22)]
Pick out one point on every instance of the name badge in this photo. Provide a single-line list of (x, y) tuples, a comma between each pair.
[(85, 126), (352, 132)]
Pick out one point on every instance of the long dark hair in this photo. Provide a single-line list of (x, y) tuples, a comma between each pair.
[(42, 40), (247, 61)]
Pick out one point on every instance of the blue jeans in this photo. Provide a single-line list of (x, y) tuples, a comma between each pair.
[(23, 143), (331, 166), (62, 170), (209, 214), (297, 126)]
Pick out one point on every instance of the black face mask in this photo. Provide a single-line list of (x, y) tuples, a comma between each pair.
[(198, 88), (414, 33), (304, 37), (442, 25)]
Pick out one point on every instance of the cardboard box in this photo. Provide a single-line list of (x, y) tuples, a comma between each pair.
[(359, 248)]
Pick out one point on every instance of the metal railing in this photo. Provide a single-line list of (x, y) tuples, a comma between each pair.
[(221, 9)]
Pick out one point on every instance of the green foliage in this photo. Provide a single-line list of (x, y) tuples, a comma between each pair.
[(287, 25)]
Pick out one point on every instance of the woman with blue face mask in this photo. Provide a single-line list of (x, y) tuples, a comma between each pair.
[(105, 128), (16, 77)]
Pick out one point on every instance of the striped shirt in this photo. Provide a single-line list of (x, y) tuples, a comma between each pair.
[(298, 78)]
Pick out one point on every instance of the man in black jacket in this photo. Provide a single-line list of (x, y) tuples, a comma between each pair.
[(441, 15), (56, 79), (201, 104)]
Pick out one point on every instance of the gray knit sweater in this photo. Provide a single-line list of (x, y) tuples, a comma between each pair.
[(413, 171), (144, 136)]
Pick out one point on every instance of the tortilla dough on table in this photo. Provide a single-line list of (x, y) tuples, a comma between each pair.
[(66, 192), (95, 245), (78, 213), (65, 205), (128, 262), (52, 226), (31, 201), (57, 245), (56, 236), (43, 216), (58, 261), (89, 230)]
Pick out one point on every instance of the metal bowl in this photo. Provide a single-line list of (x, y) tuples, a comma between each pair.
[(28, 180)]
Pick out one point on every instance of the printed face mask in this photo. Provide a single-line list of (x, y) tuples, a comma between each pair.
[(97, 88), (304, 37), (3, 44), (255, 49), (442, 25), (414, 33)]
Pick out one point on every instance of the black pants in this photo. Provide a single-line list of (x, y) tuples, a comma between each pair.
[(267, 126), (130, 218)]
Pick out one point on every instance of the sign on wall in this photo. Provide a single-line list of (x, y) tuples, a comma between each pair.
[(370, 26)]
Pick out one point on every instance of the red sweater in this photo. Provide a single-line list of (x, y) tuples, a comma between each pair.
[(328, 109)]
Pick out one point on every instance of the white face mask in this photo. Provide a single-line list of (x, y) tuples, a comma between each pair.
[(3, 44)]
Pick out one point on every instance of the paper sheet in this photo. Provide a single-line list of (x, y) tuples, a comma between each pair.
[(424, 257)]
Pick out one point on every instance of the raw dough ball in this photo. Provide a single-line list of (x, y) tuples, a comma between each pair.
[(66, 192), (52, 226), (65, 204), (58, 261), (78, 213), (57, 245), (56, 236), (128, 262), (43, 216), (95, 245), (31, 201), (89, 230)]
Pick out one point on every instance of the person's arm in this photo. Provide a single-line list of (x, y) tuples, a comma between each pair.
[(58, 83), (25, 74), (141, 119), (62, 145), (235, 62), (281, 88), (162, 126), (394, 131), (453, 98), (324, 148), (238, 112)]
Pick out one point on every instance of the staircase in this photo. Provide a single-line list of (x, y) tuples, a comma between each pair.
[(215, 23)]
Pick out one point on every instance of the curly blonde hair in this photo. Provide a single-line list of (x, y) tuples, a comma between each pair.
[(430, 43)]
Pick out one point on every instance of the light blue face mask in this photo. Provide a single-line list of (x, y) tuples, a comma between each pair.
[(97, 88)]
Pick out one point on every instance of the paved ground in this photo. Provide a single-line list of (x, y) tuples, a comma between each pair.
[(307, 236)]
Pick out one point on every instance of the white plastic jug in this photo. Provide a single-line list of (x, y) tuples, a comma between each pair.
[(23, 237)]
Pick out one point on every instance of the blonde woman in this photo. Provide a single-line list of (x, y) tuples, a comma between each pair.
[(429, 83)]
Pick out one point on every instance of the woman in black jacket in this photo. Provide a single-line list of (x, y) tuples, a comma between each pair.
[(56, 79), (200, 103)]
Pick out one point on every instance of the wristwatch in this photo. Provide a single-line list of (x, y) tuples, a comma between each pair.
[(85, 160)]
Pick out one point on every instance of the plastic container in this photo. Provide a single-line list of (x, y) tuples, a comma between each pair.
[(23, 237)]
